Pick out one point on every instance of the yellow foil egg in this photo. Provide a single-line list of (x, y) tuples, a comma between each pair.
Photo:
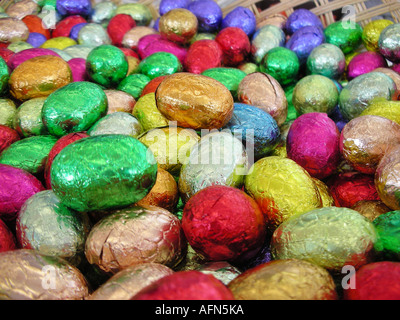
[(384, 108), (195, 101), (282, 189), (147, 113), (59, 43), (39, 77), (133, 65), (178, 25), (324, 192), (372, 32)]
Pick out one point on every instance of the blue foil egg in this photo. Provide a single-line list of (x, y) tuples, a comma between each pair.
[(74, 7), (256, 128), (74, 33), (168, 5), (338, 118), (36, 39), (304, 41), (302, 18), (242, 18), (208, 13)]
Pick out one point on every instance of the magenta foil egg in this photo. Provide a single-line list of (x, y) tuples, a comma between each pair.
[(78, 69), (365, 62), (17, 58), (313, 143)]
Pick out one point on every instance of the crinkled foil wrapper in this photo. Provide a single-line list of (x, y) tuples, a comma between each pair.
[(178, 25), (371, 209)]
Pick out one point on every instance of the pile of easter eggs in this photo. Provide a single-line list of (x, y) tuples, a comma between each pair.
[(197, 155)]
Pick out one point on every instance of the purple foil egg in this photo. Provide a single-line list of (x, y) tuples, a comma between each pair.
[(156, 24), (242, 18), (36, 39), (24, 55), (16, 187), (168, 5), (302, 18), (78, 69), (264, 256), (208, 13), (338, 118), (75, 30), (304, 41), (313, 143), (365, 62), (74, 7), (163, 45)]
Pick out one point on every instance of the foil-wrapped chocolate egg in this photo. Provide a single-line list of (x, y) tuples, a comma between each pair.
[(159, 64), (167, 5), (395, 76), (389, 42), (55, 150), (290, 279), (132, 37), (354, 98), (74, 34), (136, 235), (138, 11), (103, 12), (64, 26), (235, 45), (78, 69), (12, 30), (265, 182), (383, 108), (248, 67), (365, 62), (152, 86), (185, 285), (93, 34), (29, 275), (234, 230), (73, 108), (69, 8), (171, 146), (325, 193), (118, 26), (242, 18), (178, 25), (28, 120), (117, 123), (209, 15), (103, 172), (375, 281), (327, 60), (39, 77), (264, 39), (221, 270), (282, 64), (340, 35), (147, 113), (35, 24), (366, 139), (257, 129), (155, 43), (313, 143), (301, 18), (17, 186), (164, 193), (328, 237), (219, 158), (134, 84), (36, 39), (59, 43), (19, 46), (263, 91), (7, 238), (129, 281), (372, 32), (7, 137), (350, 187), (387, 246), (371, 209), (8, 111), (203, 55), (119, 101), (22, 8), (315, 93), (107, 65), (194, 101), (49, 227), (29, 154)]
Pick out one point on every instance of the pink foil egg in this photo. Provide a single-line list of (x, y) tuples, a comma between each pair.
[(17, 58), (365, 62), (159, 45), (78, 69)]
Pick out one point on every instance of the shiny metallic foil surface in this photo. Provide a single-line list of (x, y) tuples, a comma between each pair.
[(28, 120), (264, 39), (119, 101), (178, 25), (389, 43), (347, 39), (117, 123), (371, 209), (7, 112), (126, 283), (39, 77), (136, 235), (203, 55), (329, 237), (263, 91), (7, 238), (194, 101), (366, 139), (372, 32), (7, 137), (289, 279), (12, 30), (392, 74), (29, 275), (222, 270), (147, 113), (325, 194), (22, 8), (132, 37)]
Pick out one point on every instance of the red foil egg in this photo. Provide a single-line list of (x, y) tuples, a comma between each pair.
[(63, 28), (59, 145), (35, 24), (185, 285), (350, 187), (375, 281), (152, 86), (6, 54), (7, 137), (7, 239), (202, 55), (224, 224), (235, 45), (118, 26), (129, 52)]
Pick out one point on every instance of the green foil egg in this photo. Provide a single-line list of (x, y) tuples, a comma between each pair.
[(4, 77), (29, 154), (345, 36), (160, 64), (28, 120), (282, 64), (107, 65), (134, 84), (387, 227), (103, 172), (74, 108), (229, 77)]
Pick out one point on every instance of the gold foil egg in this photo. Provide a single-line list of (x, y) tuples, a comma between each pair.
[(290, 279), (263, 91), (371, 209), (178, 25), (39, 77), (324, 192), (22, 8), (194, 101), (372, 32), (119, 101), (282, 189)]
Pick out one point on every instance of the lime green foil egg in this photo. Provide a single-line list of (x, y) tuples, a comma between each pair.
[(8, 111), (139, 12), (28, 119), (103, 172), (74, 108), (160, 64)]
